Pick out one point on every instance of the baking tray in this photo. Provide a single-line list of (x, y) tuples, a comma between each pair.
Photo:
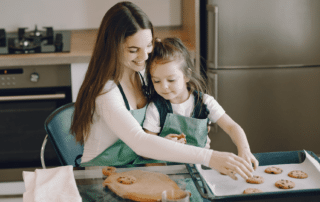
[(265, 159)]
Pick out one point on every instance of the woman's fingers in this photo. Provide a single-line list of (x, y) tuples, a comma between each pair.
[(255, 163), (230, 173), (230, 161), (240, 166), (241, 162)]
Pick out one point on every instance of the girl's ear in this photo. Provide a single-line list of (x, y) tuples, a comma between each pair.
[(187, 79), (188, 76)]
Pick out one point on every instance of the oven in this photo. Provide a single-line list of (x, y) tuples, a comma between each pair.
[(28, 94)]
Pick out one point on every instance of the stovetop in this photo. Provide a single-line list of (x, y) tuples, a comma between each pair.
[(25, 41)]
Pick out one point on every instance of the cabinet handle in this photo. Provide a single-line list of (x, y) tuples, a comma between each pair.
[(32, 97), (212, 38)]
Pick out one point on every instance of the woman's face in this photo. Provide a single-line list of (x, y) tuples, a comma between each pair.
[(136, 49)]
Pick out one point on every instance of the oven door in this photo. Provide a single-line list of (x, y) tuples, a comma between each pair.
[(23, 113)]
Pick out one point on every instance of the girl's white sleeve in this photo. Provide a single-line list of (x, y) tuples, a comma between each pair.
[(215, 109), (110, 107), (152, 119)]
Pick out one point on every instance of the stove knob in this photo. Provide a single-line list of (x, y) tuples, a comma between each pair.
[(34, 77)]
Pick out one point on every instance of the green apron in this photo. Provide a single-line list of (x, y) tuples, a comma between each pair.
[(119, 153), (195, 127)]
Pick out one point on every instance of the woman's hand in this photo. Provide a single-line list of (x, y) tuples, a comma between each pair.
[(177, 138), (249, 157), (226, 162)]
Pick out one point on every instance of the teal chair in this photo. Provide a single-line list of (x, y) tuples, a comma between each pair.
[(57, 126)]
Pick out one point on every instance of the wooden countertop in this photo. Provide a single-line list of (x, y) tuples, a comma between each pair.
[(82, 42)]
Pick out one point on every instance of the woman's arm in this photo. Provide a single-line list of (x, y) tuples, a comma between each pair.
[(111, 109)]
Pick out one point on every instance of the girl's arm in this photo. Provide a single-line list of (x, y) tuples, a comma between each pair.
[(218, 115), (238, 137)]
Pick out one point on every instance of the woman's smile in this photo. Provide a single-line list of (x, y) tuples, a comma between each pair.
[(141, 63)]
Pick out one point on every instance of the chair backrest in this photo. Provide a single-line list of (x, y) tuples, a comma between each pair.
[(58, 126)]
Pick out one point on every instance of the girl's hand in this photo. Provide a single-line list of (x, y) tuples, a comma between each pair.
[(249, 157), (226, 162), (177, 138)]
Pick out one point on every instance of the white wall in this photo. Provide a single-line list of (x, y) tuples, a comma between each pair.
[(79, 14)]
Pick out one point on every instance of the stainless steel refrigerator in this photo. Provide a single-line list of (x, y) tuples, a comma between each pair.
[(262, 62)]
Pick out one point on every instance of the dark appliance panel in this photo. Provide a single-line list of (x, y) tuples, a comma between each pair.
[(27, 96)]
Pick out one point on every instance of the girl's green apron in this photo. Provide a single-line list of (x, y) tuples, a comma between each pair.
[(194, 127), (119, 153)]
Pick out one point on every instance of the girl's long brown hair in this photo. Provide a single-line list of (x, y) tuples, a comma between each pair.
[(124, 19)]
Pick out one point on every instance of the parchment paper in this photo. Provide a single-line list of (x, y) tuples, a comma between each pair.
[(223, 185)]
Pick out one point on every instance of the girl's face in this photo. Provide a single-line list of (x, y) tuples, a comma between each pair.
[(170, 82), (136, 49)]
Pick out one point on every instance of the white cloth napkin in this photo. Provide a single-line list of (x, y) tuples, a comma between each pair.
[(51, 185)]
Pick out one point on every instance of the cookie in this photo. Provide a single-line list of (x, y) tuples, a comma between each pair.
[(273, 170), (108, 170), (255, 180), (285, 184), (252, 190), (126, 180), (298, 174)]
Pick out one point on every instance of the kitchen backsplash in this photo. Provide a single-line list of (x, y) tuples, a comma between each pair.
[(79, 14)]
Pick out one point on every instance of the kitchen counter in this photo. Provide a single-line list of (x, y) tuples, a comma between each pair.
[(82, 42), (89, 183)]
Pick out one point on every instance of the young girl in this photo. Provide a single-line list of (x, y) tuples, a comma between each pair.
[(179, 105)]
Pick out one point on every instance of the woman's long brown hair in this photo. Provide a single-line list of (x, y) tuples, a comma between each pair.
[(124, 19)]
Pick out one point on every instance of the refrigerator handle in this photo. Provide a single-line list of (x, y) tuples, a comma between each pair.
[(212, 38), (213, 90)]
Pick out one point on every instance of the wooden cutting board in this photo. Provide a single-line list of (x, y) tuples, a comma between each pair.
[(138, 185)]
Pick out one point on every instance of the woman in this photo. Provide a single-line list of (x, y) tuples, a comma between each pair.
[(111, 104)]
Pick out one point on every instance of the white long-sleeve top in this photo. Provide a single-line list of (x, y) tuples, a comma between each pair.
[(112, 121)]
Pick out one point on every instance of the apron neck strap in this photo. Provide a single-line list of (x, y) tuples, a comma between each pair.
[(144, 86), (164, 106), (200, 109), (124, 97), (144, 89)]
